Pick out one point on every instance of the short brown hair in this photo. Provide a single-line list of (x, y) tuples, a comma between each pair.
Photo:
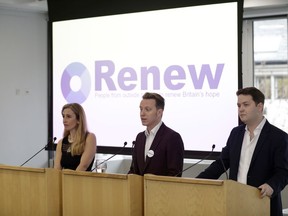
[(160, 101), (257, 95)]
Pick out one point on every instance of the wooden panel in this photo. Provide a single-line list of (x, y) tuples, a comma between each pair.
[(101, 194), (180, 196), (245, 200), (26, 191), (172, 196)]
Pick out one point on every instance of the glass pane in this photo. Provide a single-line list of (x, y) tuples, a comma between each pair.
[(282, 87), (270, 68)]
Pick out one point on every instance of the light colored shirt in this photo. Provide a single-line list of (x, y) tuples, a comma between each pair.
[(248, 147), (150, 137)]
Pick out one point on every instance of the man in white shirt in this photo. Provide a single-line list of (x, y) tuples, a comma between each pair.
[(256, 152)]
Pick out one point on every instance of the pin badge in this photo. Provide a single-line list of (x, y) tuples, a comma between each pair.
[(150, 153)]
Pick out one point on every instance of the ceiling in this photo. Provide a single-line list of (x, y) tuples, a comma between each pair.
[(41, 5), (25, 5)]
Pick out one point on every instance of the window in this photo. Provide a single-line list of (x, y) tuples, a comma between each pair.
[(270, 67)]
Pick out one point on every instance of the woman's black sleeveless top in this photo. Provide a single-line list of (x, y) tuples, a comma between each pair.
[(68, 161)]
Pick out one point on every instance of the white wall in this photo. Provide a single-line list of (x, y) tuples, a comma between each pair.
[(23, 87)]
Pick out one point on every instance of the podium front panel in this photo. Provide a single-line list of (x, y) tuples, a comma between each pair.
[(29, 191), (172, 196), (106, 194), (178, 196)]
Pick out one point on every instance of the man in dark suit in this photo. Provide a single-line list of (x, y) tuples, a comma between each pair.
[(256, 152), (158, 150)]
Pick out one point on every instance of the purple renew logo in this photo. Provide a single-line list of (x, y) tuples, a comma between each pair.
[(174, 77), (75, 69)]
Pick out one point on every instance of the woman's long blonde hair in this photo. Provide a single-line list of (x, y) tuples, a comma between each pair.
[(77, 147)]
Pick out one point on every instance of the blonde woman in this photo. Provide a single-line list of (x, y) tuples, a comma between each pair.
[(77, 149)]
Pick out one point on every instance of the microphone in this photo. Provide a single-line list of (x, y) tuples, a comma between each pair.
[(206, 157), (104, 161), (132, 154), (224, 167), (49, 141), (133, 145), (51, 146)]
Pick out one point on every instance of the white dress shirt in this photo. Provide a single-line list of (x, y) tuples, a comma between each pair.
[(248, 147), (150, 137)]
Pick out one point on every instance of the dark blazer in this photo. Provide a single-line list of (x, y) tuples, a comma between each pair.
[(168, 155), (269, 163)]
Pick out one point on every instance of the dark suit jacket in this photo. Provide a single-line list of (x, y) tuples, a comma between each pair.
[(168, 156), (269, 163)]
